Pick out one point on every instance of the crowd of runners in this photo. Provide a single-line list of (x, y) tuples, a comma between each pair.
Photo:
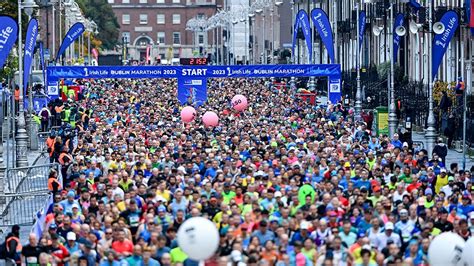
[(285, 182)]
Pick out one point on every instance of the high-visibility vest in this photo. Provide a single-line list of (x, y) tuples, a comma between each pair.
[(17, 95), (67, 114), (50, 144), (51, 181), (18, 245)]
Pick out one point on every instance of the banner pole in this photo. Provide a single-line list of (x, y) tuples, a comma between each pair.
[(430, 131)]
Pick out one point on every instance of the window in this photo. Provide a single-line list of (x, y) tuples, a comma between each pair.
[(176, 19), (200, 16), (160, 1), (126, 37), (201, 38), (125, 19), (143, 1), (160, 19), (125, 1), (161, 37), (176, 1), (176, 38), (143, 19)]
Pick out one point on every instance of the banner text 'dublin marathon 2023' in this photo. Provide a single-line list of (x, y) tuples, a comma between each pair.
[(332, 71)]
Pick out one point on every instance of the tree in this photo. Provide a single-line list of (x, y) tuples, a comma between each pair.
[(10, 8), (101, 12)]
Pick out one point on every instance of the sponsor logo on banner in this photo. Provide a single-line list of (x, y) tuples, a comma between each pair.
[(361, 29), (30, 43), (321, 22), (450, 20), (8, 36), (396, 38), (192, 91), (74, 32), (302, 21)]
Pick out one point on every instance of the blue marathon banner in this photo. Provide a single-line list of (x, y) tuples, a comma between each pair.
[(8, 36), (74, 32), (321, 22), (302, 21), (414, 5), (334, 89), (361, 29), (236, 71), (192, 91), (186, 73), (396, 38), (30, 44), (43, 67), (450, 20)]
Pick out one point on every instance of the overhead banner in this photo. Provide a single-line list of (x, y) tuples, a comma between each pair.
[(450, 20), (235, 71), (192, 91), (8, 36), (30, 44), (74, 32), (396, 38), (302, 21), (361, 29), (321, 22), (332, 71)]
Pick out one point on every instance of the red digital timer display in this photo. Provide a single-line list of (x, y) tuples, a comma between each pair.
[(193, 61)]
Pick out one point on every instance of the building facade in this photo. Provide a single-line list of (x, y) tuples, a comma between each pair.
[(157, 28)]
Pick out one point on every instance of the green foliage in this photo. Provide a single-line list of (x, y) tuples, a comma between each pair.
[(101, 12), (384, 70), (10, 8), (11, 65)]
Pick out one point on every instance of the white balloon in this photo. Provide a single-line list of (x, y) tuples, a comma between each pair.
[(468, 252), (198, 238), (446, 249)]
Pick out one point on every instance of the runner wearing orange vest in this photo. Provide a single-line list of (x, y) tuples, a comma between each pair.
[(53, 184), (13, 245)]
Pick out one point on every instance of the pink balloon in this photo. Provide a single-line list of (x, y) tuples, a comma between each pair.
[(188, 114), (210, 119), (239, 102)]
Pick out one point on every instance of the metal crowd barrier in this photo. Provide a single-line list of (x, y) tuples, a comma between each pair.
[(31, 179), (22, 209)]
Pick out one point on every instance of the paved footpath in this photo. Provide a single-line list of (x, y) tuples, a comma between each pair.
[(453, 155)]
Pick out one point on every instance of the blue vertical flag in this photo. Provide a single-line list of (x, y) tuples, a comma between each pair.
[(30, 43), (322, 25), (361, 29), (450, 20), (8, 35), (192, 91), (396, 38), (414, 5), (302, 21), (74, 32), (43, 67)]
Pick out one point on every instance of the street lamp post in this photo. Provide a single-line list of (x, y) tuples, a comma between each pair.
[(430, 131), (21, 136), (392, 116), (358, 100)]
